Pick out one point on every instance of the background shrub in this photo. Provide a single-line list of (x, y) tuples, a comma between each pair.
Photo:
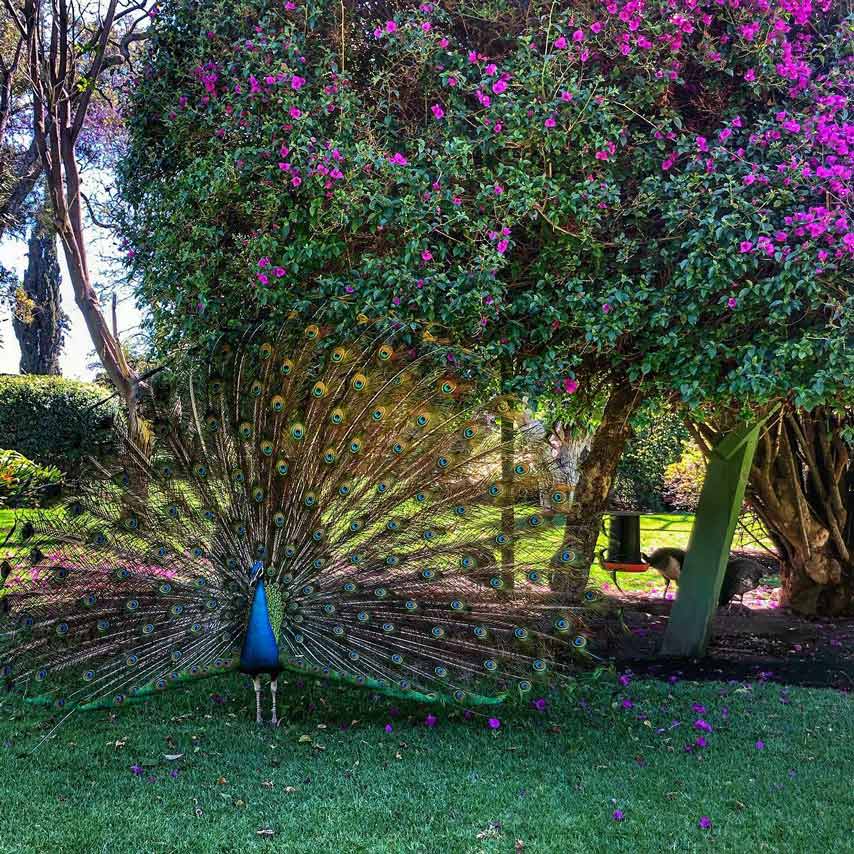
[(657, 443), (23, 483), (683, 480), (54, 421)]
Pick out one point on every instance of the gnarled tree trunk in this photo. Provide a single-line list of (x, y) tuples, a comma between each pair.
[(595, 477), (802, 487)]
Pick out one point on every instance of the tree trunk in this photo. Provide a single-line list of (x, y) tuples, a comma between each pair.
[(38, 319), (596, 475), (802, 488), (508, 516)]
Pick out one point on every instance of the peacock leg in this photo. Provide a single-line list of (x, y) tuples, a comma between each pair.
[(274, 721), (666, 586), (256, 680)]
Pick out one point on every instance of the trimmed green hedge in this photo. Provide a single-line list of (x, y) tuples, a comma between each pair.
[(53, 421)]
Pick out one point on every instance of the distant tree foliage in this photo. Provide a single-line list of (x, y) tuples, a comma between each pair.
[(39, 322)]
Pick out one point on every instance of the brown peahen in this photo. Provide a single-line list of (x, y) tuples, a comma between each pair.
[(740, 576), (336, 507)]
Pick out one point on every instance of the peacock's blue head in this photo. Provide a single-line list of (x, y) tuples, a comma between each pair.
[(256, 573)]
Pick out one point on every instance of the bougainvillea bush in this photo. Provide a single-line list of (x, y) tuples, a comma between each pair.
[(659, 189)]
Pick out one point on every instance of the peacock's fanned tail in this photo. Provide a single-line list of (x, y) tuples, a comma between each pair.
[(396, 523)]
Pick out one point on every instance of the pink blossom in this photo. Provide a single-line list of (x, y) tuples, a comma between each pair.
[(501, 246), (297, 82), (390, 26), (578, 36), (550, 122), (397, 159), (296, 181), (745, 246), (560, 42), (570, 385), (499, 86), (426, 255), (731, 303), (438, 111), (494, 723)]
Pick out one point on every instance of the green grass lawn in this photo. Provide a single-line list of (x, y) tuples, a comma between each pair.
[(188, 771), (7, 518), (331, 779)]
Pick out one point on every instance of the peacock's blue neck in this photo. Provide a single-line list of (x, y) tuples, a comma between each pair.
[(260, 653)]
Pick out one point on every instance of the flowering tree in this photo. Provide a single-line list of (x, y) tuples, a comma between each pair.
[(652, 195)]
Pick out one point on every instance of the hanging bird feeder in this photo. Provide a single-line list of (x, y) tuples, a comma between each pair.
[(624, 543)]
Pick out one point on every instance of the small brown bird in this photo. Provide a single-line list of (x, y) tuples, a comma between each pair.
[(741, 575)]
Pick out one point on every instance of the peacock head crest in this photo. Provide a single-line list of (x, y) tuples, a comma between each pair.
[(256, 573)]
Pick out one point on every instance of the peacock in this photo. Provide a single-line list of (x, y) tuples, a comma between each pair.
[(343, 506)]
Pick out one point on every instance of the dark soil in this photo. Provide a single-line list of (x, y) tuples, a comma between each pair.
[(748, 643)]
